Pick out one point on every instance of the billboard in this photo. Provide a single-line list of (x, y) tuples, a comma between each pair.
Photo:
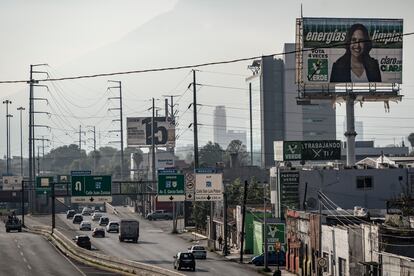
[(12, 183), (314, 150), (139, 131), (350, 50)]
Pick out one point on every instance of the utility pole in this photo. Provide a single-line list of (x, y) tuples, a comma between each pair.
[(153, 144), (43, 151), (21, 141), (266, 268), (251, 124), (319, 268), (94, 147), (80, 145), (38, 160), (32, 173), (225, 252), (195, 120), (243, 220), (120, 122), (7, 102)]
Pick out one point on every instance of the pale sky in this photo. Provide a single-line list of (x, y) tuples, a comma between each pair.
[(99, 36)]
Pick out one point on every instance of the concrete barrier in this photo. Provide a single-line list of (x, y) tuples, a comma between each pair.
[(101, 261), (110, 209)]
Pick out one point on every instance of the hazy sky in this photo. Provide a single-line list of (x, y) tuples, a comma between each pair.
[(93, 36)]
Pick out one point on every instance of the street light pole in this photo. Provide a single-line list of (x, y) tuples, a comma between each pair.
[(7, 102), (266, 267), (21, 140)]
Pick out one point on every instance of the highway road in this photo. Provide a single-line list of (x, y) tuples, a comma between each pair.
[(155, 246), (29, 254)]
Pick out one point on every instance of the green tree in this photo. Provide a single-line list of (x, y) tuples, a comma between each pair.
[(235, 192), (210, 154), (236, 148), (199, 215)]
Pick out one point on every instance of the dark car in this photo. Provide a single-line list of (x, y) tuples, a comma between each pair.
[(77, 219), (103, 221), (98, 232), (159, 214), (184, 260), (70, 214), (83, 241), (274, 258)]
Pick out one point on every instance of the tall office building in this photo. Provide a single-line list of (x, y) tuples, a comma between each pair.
[(276, 114), (220, 125)]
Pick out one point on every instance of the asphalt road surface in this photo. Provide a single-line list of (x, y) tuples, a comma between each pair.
[(155, 246)]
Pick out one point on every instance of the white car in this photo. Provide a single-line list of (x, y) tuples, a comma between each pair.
[(198, 251), (85, 226), (113, 226), (86, 211), (96, 216)]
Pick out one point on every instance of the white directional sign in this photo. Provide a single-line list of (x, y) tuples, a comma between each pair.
[(209, 187), (171, 198), (91, 199)]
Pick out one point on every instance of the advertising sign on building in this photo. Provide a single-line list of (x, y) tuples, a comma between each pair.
[(12, 183), (374, 45), (274, 233), (307, 150), (209, 186), (289, 189), (139, 131)]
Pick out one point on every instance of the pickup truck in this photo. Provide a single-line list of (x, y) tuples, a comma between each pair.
[(13, 223), (159, 214)]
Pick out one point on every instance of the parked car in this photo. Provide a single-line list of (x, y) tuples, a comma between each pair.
[(184, 260), (198, 251), (77, 219), (85, 226), (103, 221), (83, 241), (129, 230), (87, 211), (113, 226), (96, 216), (159, 214), (98, 232), (70, 214), (273, 258)]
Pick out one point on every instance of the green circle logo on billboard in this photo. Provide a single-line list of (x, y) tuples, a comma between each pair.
[(318, 69)]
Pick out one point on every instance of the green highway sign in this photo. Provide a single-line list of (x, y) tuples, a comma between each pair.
[(91, 188), (307, 150), (171, 187), (44, 184)]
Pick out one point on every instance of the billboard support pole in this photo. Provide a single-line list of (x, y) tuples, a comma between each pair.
[(350, 131)]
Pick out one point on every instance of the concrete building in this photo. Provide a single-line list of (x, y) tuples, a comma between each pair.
[(365, 149), (276, 114)]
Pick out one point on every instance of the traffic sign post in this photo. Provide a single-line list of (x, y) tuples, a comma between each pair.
[(44, 184), (189, 186), (170, 186), (91, 188), (209, 185)]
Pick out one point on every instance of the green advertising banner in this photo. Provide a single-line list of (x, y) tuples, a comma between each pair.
[(375, 46), (315, 150), (289, 190)]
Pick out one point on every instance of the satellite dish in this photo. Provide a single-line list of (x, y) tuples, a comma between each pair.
[(311, 203)]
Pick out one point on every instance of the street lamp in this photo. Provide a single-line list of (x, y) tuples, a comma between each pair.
[(7, 102), (21, 140)]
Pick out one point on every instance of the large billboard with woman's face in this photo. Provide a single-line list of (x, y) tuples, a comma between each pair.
[(344, 50)]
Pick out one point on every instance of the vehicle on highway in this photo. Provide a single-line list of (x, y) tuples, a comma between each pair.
[(113, 226), (13, 223), (98, 232), (70, 214), (77, 219), (86, 211), (85, 226), (103, 221), (83, 241), (129, 230), (96, 216), (159, 214), (184, 260), (198, 251), (274, 258)]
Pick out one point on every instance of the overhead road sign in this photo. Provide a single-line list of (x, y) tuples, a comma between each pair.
[(91, 189), (170, 185), (44, 184), (11, 183), (209, 187)]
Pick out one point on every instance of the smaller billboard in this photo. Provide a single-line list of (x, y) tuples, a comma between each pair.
[(11, 183), (139, 131), (314, 150)]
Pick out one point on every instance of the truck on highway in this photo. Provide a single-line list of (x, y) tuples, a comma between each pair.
[(129, 230), (13, 223)]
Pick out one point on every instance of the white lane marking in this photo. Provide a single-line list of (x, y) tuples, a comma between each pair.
[(18, 246), (154, 231), (24, 260), (21, 253), (29, 267)]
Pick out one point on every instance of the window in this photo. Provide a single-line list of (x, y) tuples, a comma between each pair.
[(364, 182), (342, 266)]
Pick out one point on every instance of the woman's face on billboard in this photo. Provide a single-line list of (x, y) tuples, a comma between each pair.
[(357, 43)]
